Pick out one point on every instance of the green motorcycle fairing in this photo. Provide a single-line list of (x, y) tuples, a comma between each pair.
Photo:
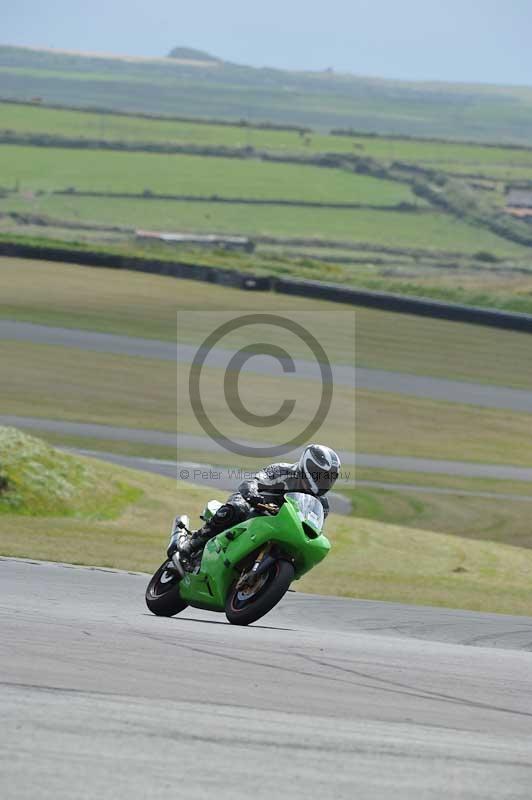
[(301, 541)]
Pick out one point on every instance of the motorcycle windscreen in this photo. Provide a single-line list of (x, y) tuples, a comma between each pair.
[(309, 509)]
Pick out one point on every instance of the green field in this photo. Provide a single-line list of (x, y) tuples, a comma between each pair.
[(434, 230), (498, 162), (418, 249), (48, 169), (227, 91), (501, 171)]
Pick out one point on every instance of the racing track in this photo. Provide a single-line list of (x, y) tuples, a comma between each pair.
[(373, 379), (328, 698), (482, 395), (193, 442)]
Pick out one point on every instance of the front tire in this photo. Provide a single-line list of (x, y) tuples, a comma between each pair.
[(240, 612), (162, 594)]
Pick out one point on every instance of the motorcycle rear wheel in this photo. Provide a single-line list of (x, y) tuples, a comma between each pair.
[(240, 612), (162, 593)]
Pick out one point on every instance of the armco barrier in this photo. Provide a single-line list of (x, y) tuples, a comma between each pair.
[(404, 304), (384, 301), (176, 269)]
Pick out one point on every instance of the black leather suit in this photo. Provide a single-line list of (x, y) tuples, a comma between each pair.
[(270, 483)]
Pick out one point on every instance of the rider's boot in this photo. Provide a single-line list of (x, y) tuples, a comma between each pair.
[(224, 518), (196, 541)]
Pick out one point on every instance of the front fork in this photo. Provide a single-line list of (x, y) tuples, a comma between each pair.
[(180, 531), (263, 562), (177, 565)]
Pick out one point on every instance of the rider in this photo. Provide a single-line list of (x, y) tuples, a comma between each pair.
[(315, 473)]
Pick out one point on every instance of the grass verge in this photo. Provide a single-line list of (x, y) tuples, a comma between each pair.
[(378, 561), (486, 519), (37, 480)]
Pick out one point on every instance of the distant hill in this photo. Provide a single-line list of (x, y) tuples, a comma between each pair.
[(187, 84), (190, 54)]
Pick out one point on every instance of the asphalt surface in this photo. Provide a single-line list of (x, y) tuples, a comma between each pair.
[(327, 698), (482, 395), (202, 443)]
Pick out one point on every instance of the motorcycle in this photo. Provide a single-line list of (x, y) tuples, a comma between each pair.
[(246, 569)]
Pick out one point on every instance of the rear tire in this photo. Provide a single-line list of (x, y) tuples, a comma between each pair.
[(162, 594), (280, 578)]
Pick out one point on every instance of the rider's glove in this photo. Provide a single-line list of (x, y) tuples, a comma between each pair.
[(254, 499)]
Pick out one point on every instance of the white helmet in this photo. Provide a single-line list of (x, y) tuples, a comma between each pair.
[(318, 468)]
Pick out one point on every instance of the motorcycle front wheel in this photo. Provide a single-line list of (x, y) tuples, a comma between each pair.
[(245, 607), (162, 593)]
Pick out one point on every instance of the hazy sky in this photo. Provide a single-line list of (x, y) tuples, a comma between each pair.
[(456, 40)]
